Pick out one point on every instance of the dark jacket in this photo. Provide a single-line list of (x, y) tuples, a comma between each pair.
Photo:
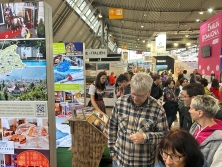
[(186, 120), (156, 91), (127, 90)]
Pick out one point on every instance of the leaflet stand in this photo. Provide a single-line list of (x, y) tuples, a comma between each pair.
[(88, 141)]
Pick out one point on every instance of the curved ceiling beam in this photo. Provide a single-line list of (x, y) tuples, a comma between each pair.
[(145, 31), (157, 22), (144, 35), (187, 40), (101, 4)]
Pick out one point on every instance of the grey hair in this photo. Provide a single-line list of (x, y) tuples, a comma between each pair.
[(141, 81), (206, 103)]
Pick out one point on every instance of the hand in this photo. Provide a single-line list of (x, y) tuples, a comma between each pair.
[(137, 138), (159, 101), (114, 157)]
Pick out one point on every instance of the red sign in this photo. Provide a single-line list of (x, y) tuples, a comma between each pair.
[(139, 52)]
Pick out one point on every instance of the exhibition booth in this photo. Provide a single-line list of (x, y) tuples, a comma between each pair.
[(44, 88), (210, 47)]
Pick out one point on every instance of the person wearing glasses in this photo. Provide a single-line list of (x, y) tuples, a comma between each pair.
[(137, 125), (180, 149), (188, 93), (207, 130)]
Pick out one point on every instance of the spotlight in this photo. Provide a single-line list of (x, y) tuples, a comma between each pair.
[(210, 10), (201, 12), (100, 16), (175, 44)]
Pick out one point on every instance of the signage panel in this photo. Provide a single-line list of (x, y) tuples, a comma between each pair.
[(115, 13)]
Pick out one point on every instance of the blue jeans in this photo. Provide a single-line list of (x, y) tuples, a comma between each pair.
[(114, 164)]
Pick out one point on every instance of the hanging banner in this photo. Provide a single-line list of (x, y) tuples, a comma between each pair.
[(123, 47), (161, 42), (96, 53)]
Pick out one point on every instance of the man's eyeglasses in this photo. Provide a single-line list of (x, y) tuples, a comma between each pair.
[(183, 97), (173, 157), (138, 96)]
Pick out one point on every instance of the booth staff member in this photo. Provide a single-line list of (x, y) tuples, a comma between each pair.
[(96, 92)]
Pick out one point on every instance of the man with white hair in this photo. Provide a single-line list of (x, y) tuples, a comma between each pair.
[(137, 124)]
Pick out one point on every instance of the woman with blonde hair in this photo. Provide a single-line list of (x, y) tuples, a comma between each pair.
[(206, 129)]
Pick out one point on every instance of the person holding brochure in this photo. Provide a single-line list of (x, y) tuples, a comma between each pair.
[(137, 125)]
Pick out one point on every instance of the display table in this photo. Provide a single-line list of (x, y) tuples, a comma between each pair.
[(88, 141)]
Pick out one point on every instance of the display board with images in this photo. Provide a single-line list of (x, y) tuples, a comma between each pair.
[(68, 64), (23, 90), (100, 121)]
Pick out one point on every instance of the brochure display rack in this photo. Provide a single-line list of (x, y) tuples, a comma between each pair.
[(89, 138)]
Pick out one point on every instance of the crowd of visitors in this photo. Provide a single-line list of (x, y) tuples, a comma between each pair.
[(141, 129)]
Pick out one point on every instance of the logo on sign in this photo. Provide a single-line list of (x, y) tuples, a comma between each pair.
[(212, 31), (160, 45)]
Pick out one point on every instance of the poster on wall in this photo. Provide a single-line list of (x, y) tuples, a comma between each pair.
[(23, 89), (23, 70), (22, 20), (69, 86), (24, 157)]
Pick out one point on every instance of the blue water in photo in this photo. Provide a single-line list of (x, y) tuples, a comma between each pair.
[(34, 63)]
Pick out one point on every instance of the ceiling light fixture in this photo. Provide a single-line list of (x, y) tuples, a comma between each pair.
[(142, 26), (138, 39), (100, 16), (148, 45), (187, 36), (175, 44), (188, 44), (201, 12), (197, 20), (143, 41), (210, 10)]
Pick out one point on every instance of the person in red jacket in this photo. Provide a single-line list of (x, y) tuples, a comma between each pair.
[(112, 79), (215, 88)]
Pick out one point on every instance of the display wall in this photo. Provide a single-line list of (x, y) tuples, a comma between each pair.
[(164, 63), (68, 61), (24, 123), (210, 34)]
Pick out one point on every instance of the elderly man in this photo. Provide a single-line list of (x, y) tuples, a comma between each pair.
[(137, 124)]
